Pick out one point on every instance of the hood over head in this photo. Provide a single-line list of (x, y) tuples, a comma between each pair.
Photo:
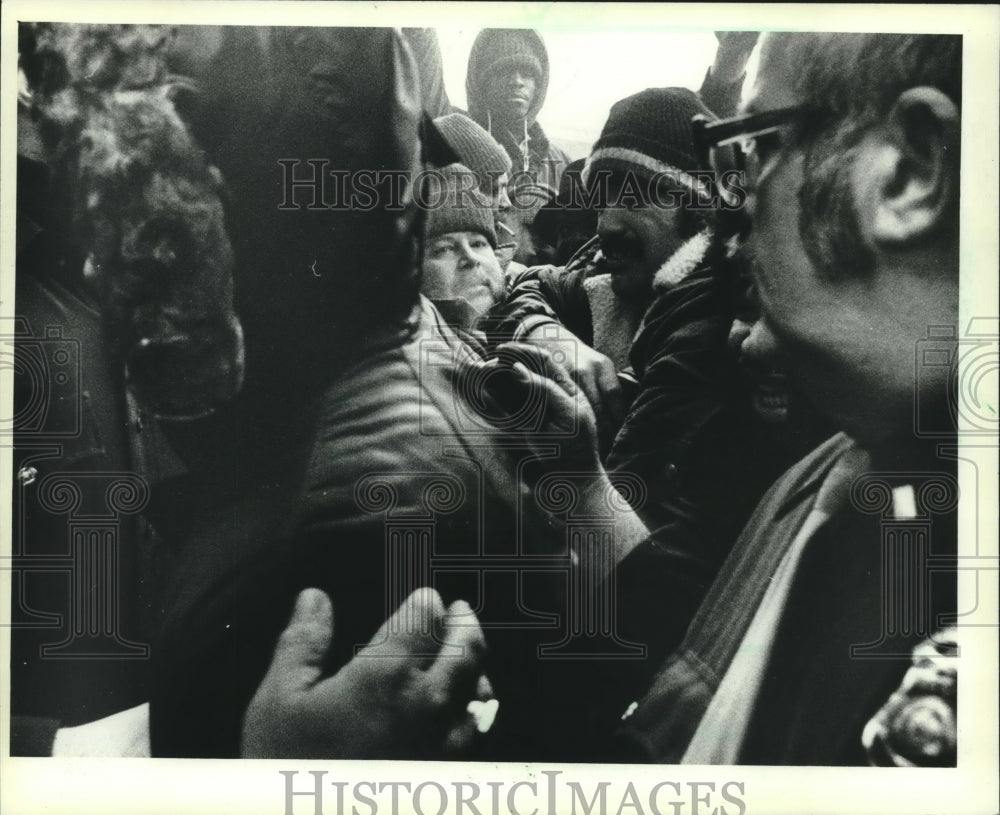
[(496, 47)]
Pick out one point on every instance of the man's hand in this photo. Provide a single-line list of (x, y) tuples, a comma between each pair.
[(569, 422), (594, 373), (405, 695), (567, 418), (737, 42)]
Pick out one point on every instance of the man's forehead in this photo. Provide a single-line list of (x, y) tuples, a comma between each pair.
[(508, 69), (454, 237)]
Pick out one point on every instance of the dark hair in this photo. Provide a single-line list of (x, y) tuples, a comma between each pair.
[(852, 81)]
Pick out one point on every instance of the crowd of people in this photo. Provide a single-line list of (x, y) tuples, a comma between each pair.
[(527, 459)]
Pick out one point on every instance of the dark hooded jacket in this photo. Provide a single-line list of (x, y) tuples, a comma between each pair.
[(538, 161)]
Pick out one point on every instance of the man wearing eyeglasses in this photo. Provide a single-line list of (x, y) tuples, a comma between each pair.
[(850, 145), (836, 586)]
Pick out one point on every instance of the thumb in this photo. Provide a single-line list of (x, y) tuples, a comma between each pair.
[(303, 645)]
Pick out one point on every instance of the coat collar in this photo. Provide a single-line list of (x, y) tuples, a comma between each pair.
[(682, 262)]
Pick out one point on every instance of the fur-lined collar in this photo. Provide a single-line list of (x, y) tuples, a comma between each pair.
[(682, 262)]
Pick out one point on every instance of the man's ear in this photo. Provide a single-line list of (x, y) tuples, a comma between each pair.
[(917, 174)]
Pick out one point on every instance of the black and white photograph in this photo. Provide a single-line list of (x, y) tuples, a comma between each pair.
[(499, 409)]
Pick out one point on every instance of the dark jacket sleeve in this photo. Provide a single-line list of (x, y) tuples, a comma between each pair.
[(672, 439), (690, 434), (427, 53), (548, 294), (657, 593)]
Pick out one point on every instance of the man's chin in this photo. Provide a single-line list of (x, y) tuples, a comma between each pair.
[(481, 299), (625, 287), (512, 112)]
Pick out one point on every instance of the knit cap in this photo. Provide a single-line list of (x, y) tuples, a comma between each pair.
[(454, 204), (475, 148), (650, 133), (511, 46)]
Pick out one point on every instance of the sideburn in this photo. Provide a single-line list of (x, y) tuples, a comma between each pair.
[(828, 218)]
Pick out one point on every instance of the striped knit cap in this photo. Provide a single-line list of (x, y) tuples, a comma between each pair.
[(650, 133)]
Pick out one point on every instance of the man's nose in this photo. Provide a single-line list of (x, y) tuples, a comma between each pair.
[(760, 350), (468, 256), (610, 222), (518, 79), (738, 333)]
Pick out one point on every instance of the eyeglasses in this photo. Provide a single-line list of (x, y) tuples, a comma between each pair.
[(749, 138)]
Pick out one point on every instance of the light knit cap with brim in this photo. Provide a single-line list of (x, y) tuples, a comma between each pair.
[(475, 148)]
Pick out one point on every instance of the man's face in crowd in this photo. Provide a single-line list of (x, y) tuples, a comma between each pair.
[(753, 345), (495, 188), (506, 219), (513, 92), (848, 331), (819, 329), (636, 241), (462, 265)]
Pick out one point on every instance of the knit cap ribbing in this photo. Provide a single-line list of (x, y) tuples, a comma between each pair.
[(449, 210), (650, 133), (475, 148)]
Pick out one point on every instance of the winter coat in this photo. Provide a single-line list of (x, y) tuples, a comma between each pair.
[(691, 432), (579, 297), (394, 470), (836, 655), (426, 50), (541, 295), (692, 438), (541, 162), (352, 462), (77, 496)]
